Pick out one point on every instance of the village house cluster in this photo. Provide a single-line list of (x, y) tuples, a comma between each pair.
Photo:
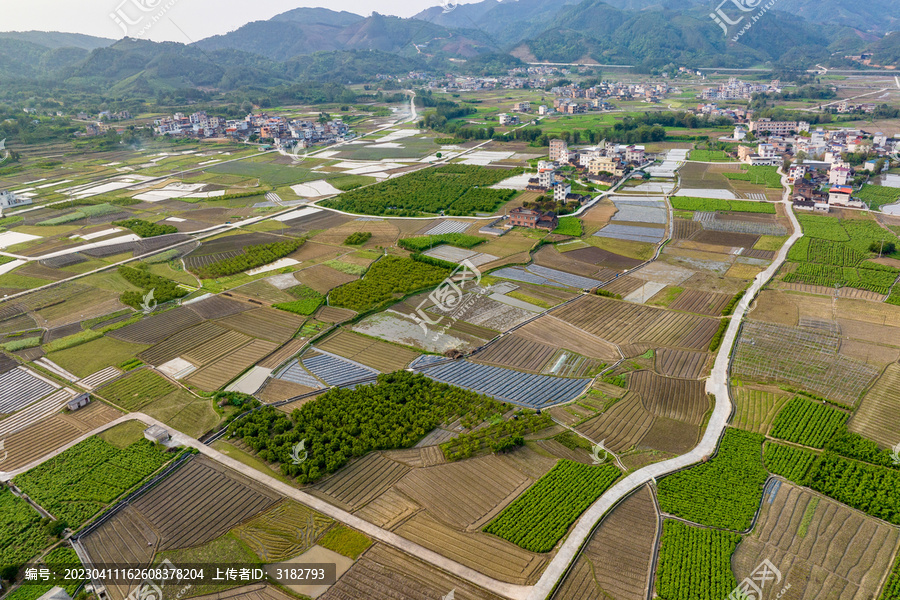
[(605, 165), (820, 173), (282, 131), (735, 89)]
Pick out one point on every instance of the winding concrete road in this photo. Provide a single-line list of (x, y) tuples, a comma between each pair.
[(717, 384), (507, 590)]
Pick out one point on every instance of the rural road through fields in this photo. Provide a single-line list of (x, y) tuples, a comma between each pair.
[(717, 385), (507, 590)]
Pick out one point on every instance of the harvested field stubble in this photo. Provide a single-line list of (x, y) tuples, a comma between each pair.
[(616, 560), (680, 399), (622, 426), (623, 322), (396, 575), (199, 502), (879, 411), (821, 547)]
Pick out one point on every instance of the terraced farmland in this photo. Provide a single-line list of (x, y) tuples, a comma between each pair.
[(700, 302), (387, 574), (517, 353), (284, 531), (622, 426), (624, 322), (550, 330), (683, 364), (181, 343), (136, 390), (489, 555), (231, 365), (617, 557), (755, 410), (218, 346), (370, 352), (266, 323), (42, 437), (679, 399), (219, 306), (880, 410), (361, 481), (822, 548), (126, 538), (153, 330), (462, 494), (199, 502)]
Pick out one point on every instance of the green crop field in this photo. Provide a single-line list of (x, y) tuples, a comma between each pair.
[(835, 252), (877, 196), (452, 189), (569, 226), (710, 156), (869, 488), (789, 462), (469, 444), (135, 391), (695, 563), (81, 481), (307, 300), (767, 176), (426, 242), (807, 422), (390, 277), (723, 492), (714, 204), (21, 532), (541, 516)]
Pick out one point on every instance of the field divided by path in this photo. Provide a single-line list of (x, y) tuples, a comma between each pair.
[(201, 501), (623, 323), (822, 548), (616, 560)]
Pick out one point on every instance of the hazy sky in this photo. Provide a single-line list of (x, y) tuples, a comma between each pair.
[(178, 20)]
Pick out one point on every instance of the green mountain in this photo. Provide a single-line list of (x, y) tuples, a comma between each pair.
[(596, 31), (56, 39), (292, 34)]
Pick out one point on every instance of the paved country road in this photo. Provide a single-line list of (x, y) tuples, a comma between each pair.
[(717, 384), (507, 590)]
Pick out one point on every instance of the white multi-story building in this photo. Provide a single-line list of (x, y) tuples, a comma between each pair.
[(561, 191), (839, 174)]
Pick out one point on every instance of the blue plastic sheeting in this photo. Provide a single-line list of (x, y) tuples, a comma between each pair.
[(525, 389), (19, 389), (336, 371), (295, 373), (575, 281)]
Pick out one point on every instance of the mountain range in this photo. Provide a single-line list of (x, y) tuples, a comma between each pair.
[(341, 47)]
